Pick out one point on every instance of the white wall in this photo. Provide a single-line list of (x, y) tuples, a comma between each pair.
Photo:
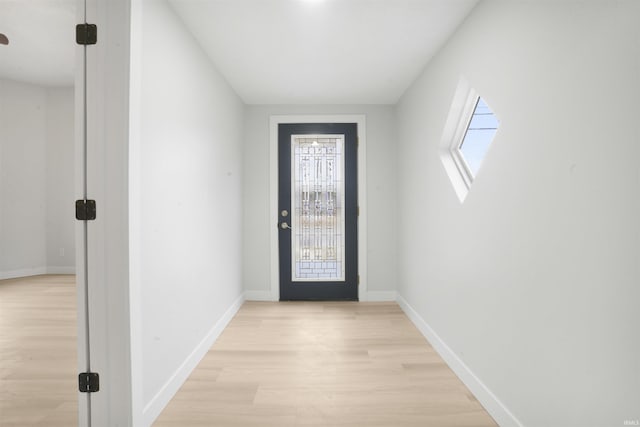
[(533, 281), (186, 171), (22, 179), (36, 180), (59, 223), (381, 186)]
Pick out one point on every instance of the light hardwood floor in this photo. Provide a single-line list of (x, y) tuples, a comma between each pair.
[(276, 364), (38, 352), (323, 364)]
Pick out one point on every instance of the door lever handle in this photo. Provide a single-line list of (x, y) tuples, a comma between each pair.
[(284, 226)]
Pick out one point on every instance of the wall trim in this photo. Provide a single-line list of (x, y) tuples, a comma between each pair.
[(61, 270), (379, 296), (37, 271), (258, 296), (23, 272), (371, 296), (274, 121), (485, 396), (153, 409)]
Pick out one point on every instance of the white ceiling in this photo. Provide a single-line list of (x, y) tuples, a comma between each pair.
[(270, 51), (41, 41), (321, 51)]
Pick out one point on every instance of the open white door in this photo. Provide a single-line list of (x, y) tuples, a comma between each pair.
[(81, 191), (102, 99)]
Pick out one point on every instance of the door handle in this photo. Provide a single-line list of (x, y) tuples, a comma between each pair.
[(284, 226)]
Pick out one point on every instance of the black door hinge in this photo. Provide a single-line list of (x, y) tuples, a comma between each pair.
[(88, 382), (85, 210), (86, 34)]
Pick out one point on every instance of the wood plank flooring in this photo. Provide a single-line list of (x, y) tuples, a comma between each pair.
[(276, 364), (323, 364), (38, 352)]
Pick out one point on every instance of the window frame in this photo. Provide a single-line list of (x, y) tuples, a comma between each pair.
[(461, 111), (466, 116)]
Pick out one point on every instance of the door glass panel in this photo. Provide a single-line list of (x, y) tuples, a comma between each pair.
[(317, 188)]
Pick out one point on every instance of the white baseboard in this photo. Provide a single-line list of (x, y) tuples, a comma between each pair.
[(379, 296), (490, 401), (153, 409), (61, 270), (24, 272), (371, 296), (258, 296), (27, 272)]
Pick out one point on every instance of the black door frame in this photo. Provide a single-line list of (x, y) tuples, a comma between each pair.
[(272, 291), (322, 290)]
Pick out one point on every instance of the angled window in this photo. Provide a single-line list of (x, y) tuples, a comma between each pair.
[(471, 127)]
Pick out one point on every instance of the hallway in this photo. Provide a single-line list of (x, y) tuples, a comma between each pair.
[(323, 364), (511, 266), (276, 364)]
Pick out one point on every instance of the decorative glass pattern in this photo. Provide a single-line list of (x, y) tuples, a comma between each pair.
[(317, 192)]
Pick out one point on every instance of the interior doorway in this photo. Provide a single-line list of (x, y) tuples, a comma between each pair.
[(38, 296)]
